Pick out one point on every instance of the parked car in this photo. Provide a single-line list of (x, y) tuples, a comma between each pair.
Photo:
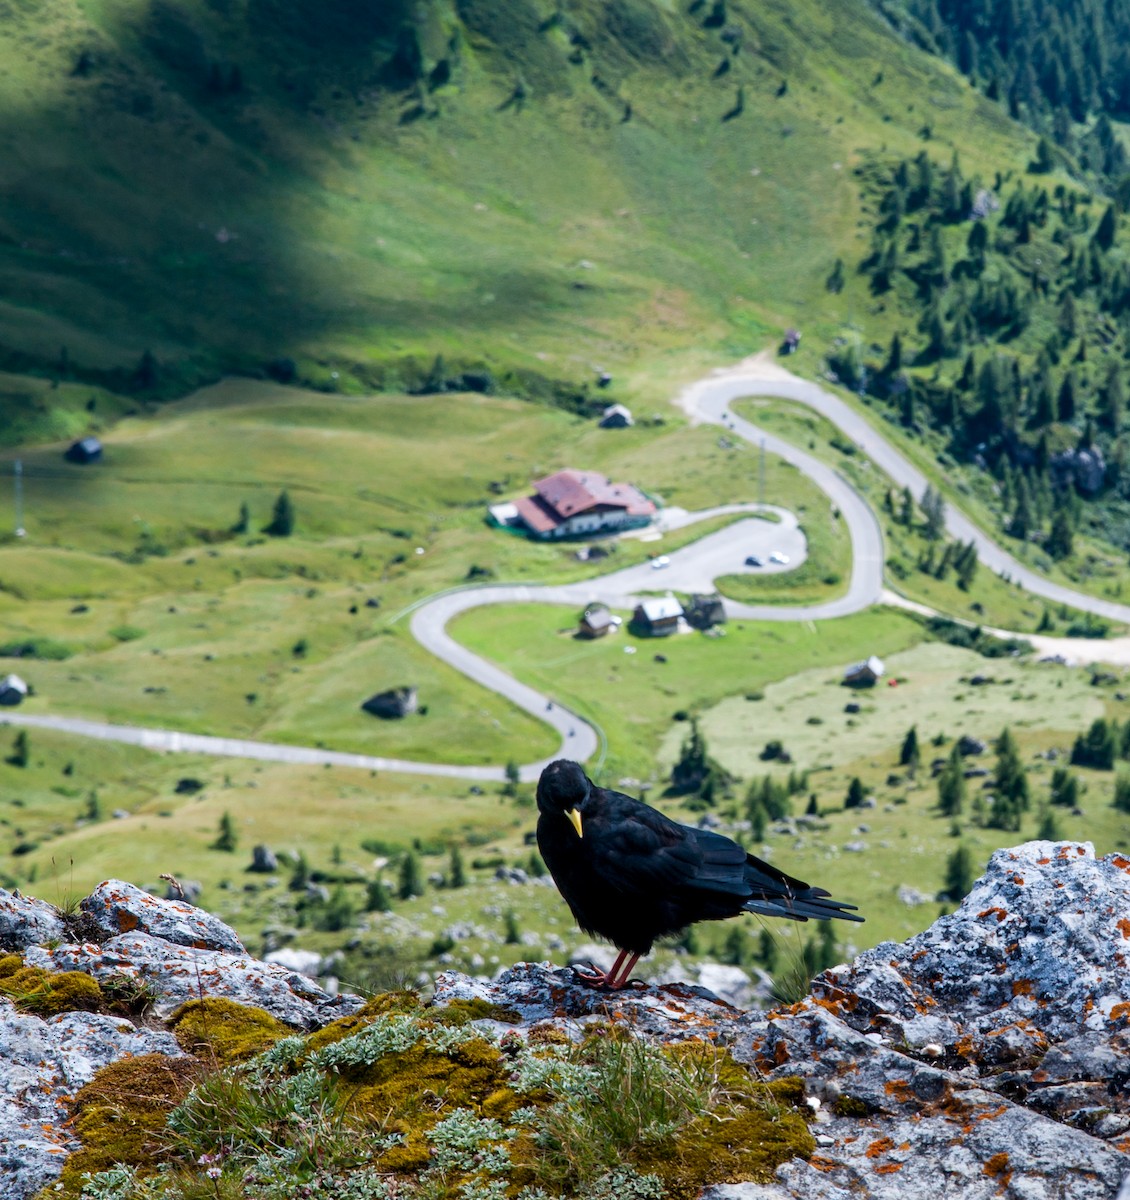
[(751, 560), (778, 557), (657, 564)]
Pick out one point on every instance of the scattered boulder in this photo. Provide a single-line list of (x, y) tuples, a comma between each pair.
[(263, 860), (968, 745), (26, 922), (188, 890), (393, 703), (1084, 467), (115, 907), (511, 875)]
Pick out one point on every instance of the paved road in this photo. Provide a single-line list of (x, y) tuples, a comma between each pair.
[(761, 376), (691, 569)]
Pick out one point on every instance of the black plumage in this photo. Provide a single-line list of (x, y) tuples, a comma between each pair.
[(632, 875)]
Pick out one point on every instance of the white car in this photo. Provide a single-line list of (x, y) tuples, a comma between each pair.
[(657, 564), (778, 557)]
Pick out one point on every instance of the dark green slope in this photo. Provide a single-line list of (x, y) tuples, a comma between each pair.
[(360, 186)]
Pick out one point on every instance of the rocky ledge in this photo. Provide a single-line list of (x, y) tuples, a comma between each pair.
[(986, 1057)]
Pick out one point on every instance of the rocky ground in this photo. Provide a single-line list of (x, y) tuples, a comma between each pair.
[(986, 1057)]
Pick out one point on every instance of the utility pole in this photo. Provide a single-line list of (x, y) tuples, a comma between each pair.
[(761, 473), (18, 472)]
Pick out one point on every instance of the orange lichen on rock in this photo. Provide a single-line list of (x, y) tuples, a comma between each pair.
[(997, 1168), (879, 1146), (900, 1090), (888, 1168), (1021, 987), (999, 913), (1120, 1010), (1124, 927)]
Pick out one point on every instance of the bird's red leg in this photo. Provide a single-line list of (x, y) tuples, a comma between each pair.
[(615, 984), (602, 978)]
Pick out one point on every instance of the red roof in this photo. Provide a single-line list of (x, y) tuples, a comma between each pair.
[(571, 492)]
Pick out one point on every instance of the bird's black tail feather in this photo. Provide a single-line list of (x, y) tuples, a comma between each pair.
[(776, 894), (810, 905)]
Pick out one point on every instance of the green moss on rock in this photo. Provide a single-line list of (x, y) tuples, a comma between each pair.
[(221, 1029), (850, 1106), (48, 993), (120, 1114), (745, 1141)]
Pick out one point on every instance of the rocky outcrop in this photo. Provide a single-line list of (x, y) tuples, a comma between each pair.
[(986, 1057)]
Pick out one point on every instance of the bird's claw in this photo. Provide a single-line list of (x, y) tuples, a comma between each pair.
[(594, 978)]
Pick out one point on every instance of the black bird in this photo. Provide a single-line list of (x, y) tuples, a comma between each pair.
[(632, 875)]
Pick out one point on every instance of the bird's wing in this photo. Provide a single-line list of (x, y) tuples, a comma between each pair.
[(639, 850)]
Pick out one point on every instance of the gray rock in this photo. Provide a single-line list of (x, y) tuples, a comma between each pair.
[(177, 973), (968, 745), (983, 1056), (115, 907), (263, 860), (25, 921), (305, 962), (43, 1063), (188, 890), (539, 992)]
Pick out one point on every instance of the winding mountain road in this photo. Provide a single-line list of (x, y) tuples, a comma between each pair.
[(692, 569)]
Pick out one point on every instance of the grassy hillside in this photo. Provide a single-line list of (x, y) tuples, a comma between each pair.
[(532, 186)]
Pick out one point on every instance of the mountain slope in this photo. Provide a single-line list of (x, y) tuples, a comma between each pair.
[(238, 181)]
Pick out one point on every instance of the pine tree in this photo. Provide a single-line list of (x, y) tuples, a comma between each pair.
[(513, 777), (337, 913), (951, 785), (959, 878), (894, 356), (906, 512), (1098, 748), (1122, 793), (456, 873), (757, 817), (910, 755), (855, 794), (513, 933), (300, 876), (835, 281), (934, 510), (411, 877), (1009, 776), (21, 750), (690, 770), (1045, 158), (1040, 401), (93, 810), (1113, 399), (1059, 543), (1106, 229), (282, 519), (1064, 788), (966, 565), (243, 523), (227, 839), (376, 896)]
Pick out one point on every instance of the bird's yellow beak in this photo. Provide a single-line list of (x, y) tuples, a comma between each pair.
[(574, 820)]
